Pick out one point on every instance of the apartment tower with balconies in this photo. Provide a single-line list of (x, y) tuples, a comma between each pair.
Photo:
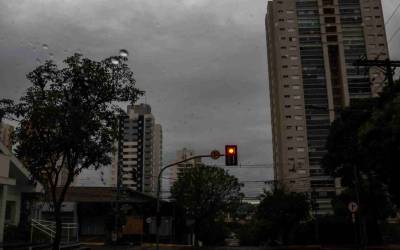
[(140, 151), (312, 45)]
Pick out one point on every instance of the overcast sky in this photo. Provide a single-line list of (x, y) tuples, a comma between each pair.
[(201, 62)]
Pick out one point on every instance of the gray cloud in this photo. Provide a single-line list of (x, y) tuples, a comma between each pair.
[(202, 62)]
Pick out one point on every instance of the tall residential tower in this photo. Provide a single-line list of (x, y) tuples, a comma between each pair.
[(140, 152), (176, 171), (312, 45)]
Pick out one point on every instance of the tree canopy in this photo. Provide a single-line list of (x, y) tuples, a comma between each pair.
[(279, 212), (68, 120), (204, 193), (366, 135)]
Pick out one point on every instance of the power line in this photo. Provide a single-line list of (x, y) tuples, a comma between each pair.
[(394, 35), (247, 165), (392, 15)]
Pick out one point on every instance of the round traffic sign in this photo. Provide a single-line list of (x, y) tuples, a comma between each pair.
[(353, 207), (215, 154)]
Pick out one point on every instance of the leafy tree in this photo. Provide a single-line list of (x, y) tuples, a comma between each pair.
[(244, 210), (375, 205), (205, 193), (68, 121), (365, 139), (379, 137), (279, 212), (364, 143), (345, 152)]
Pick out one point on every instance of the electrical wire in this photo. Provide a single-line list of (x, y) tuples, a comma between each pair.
[(394, 35), (392, 15)]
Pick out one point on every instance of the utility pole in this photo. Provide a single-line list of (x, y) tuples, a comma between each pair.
[(362, 231), (387, 66), (121, 119)]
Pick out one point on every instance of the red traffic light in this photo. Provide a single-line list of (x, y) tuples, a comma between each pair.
[(231, 158)]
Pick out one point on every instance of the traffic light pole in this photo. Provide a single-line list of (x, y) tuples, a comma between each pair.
[(158, 218)]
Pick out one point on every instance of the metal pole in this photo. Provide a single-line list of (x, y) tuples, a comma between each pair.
[(116, 216), (389, 73), (361, 225), (158, 219)]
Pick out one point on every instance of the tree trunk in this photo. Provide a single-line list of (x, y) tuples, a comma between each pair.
[(196, 234), (57, 217)]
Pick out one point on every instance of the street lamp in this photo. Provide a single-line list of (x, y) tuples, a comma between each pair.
[(214, 155)]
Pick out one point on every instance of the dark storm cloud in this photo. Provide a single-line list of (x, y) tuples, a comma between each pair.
[(201, 62)]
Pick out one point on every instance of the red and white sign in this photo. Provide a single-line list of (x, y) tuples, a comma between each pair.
[(353, 207)]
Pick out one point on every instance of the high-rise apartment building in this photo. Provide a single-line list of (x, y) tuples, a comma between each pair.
[(140, 152), (177, 169), (312, 45)]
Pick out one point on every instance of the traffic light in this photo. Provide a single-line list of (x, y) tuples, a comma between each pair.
[(231, 156)]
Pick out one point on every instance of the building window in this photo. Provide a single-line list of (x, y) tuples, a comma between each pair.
[(300, 150), (296, 87), (330, 20), (329, 11), (331, 38), (298, 117), (10, 212), (298, 107), (331, 29), (328, 2)]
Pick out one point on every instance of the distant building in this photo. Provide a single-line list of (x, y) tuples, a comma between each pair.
[(15, 190), (5, 134), (140, 152), (181, 155), (312, 45)]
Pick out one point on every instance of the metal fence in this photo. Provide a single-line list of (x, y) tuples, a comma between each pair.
[(70, 231)]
